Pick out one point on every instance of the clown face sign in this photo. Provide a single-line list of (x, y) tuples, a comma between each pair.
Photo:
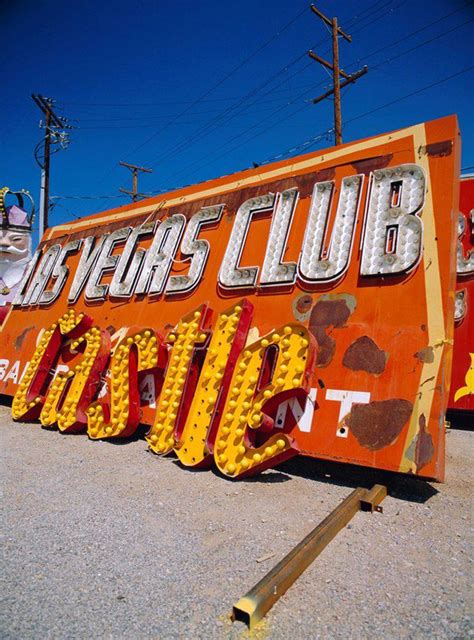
[(15, 246)]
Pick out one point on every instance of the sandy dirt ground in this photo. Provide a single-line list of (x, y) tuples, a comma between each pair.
[(105, 540)]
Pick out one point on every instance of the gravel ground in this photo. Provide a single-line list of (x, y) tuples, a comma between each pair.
[(106, 540)]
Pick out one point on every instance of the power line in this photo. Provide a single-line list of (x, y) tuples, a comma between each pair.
[(147, 119), (322, 134), (288, 103), (68, 211), (416, 31), (305, 143), (413, 93), (226, 77), (299, 147), (109, 118), (372, 18), (146, 104), (409, 95), (376, 19), (214, 123), (220, 82), (373, 8), (272, 125), (217, 121), (234, 98), (421, 44), (68, 197), (355, 18)]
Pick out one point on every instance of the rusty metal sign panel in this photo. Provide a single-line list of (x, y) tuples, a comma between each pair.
[(303, 307)]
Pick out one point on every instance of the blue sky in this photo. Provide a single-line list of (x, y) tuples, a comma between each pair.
[(201, 89)]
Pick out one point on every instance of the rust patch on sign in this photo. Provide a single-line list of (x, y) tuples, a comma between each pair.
[(104, 229), (331, 310), (364, 355), (425, 355), (326, 174), (21, 338), (234, 199), (440, 149), (301, 306), (421, 449), (379, 423), (371, 164), (424, 449)]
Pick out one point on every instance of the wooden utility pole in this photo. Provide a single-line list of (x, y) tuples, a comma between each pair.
[(337, 72), (337, 84), (135, 195), (51, 120)]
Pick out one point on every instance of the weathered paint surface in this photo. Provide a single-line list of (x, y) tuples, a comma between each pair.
[(364, 355), (331, 311), (377, 390), (378, 424)]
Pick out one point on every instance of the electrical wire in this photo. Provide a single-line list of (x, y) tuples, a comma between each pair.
[(272, 91), (88, 197), (307, 143), (226, 77), (216, 122), (109, 118), (138, 126), (297, 111), (415, 32), (421, 44), (399, 99), (219, 83), (376, 66), (412, 93), (321, 135)]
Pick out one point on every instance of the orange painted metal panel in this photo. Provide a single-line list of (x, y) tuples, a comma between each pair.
[(381, 333)]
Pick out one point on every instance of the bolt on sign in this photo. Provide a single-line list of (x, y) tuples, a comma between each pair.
[(304, 307)]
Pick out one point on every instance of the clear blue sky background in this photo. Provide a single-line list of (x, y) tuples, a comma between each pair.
[(201, 89)]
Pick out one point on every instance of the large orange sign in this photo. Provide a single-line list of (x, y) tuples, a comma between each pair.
[(302, 307)]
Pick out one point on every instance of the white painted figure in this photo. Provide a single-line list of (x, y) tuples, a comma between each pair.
[(15, 246)]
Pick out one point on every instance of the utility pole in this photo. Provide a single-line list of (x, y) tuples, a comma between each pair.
[(54, 133), (337, 72), (134, 169)]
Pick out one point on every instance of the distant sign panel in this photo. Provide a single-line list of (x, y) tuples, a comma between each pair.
[(302, 307), (461, 396)]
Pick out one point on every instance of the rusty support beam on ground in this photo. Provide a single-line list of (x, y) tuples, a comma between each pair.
[(258, 601)]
